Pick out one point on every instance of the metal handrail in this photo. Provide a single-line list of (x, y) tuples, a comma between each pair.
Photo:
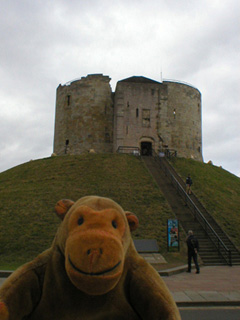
[(170, 153), (221, 247), (128, 149)]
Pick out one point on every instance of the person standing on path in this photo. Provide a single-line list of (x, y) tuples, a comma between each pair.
[(188, 185), (193, 248)]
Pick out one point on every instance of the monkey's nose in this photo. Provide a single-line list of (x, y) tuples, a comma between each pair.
[(97, 251), (93, 256)]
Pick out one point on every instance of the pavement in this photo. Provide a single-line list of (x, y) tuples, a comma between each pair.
[(214, 286)]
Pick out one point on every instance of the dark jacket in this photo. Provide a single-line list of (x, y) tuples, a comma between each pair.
[(192, 243), (189, 181)]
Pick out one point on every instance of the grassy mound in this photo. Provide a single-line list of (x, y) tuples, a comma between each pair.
[(29, 192)]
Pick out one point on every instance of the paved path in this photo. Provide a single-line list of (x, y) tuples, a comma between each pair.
[(214, 285), (218, 285)]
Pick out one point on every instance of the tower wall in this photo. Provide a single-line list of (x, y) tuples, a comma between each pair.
[(167, 115), (84, 116), (136, 109), (180, 123)]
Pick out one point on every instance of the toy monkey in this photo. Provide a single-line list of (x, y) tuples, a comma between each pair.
[(91, 272)]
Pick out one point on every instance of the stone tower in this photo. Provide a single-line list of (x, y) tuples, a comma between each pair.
[(84, 116), (141, 113), (157, 116)]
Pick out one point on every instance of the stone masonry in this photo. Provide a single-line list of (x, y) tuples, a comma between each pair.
[(141, 113), (84, 116)]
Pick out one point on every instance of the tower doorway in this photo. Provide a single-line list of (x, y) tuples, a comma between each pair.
[(146, 148)]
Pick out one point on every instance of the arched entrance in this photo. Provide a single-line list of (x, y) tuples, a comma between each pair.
[(146, 148)]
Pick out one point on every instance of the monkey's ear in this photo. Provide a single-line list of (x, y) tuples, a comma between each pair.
[(132, 220), (62, 207)]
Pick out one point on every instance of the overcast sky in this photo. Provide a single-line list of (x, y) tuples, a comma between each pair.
[(47, 42)]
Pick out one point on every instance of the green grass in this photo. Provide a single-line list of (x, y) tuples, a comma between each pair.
[(29, 192), (218, 190)]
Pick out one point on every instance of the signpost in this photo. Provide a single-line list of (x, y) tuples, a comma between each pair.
[(172, 235)]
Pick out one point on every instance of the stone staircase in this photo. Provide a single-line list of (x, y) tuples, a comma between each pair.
[(184, 208)]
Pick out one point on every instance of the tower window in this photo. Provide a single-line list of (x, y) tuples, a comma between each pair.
[(66, 146), (107, 135), (137, 113), (68, 100), (146, 117)]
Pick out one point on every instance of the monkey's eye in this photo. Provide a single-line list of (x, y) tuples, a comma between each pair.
[(80, 221), (114, 224)]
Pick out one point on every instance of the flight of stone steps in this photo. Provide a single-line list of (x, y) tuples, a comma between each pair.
[(161, 170)]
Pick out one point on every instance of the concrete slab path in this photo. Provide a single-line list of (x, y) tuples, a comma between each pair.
[(214, 284)]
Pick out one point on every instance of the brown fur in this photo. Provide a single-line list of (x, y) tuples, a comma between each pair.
[(91, 272)]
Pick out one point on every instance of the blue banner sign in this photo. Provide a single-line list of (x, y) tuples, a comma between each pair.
[(173, 234)]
